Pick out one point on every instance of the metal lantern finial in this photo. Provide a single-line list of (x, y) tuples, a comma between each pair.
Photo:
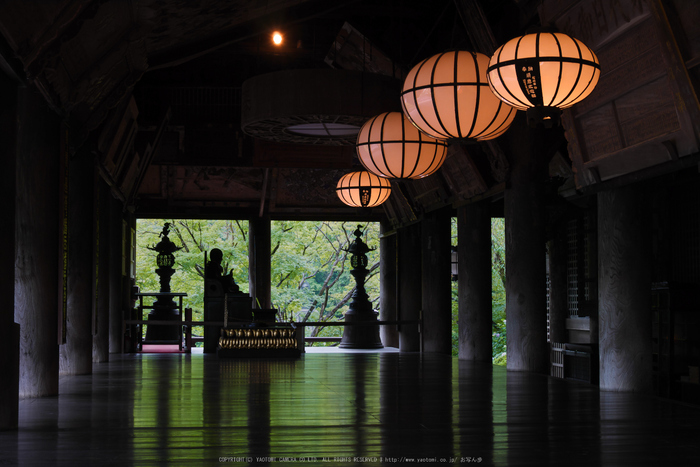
[(448, 96), (363, 189), (543, 73), (388, 145)]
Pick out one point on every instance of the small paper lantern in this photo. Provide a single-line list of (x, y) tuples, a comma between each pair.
[(363, 189), (546, 71), (448, 96), (388, 145)]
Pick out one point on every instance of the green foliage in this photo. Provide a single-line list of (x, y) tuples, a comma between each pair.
[(499, 341), (311, 278), (498, 289), (500, 360), (195, 237), (498, 268)]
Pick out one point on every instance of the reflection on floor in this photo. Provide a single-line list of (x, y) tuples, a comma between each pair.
[(374, 408)]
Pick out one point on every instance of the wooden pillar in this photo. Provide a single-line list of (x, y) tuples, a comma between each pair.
[(36, 284), (624, 292), (259, 259), (9, 330), (76, 353), (128, 280), (526, 287), (474, 282), (408, 274), (115, 276), (100, 352), (436, 277), (558, 283), (387, 285)]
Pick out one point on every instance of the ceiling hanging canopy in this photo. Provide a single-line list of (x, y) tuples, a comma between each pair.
[(388, 145), (363, 189), (545, 71), (448, 96), (316, 106)]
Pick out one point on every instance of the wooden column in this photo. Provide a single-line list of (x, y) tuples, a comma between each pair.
[(76, 353), (558, 283), (526, 299), (387, 285), (9, 330), (101, 270), (624, 292), (408, 272), (259, 250), (474, 282), (116, 306), (37, 233), (436, 277)]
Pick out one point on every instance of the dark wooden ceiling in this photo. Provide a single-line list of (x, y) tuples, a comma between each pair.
[(154, 89)]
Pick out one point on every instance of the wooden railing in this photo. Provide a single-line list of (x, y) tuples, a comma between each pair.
[(189, 324)]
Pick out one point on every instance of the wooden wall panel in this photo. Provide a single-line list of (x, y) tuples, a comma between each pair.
[(643, 104)]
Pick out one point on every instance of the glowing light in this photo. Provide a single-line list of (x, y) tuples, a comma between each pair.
[(388, 145), (543, 73), (277, 38), (448, 96), (363, 189)]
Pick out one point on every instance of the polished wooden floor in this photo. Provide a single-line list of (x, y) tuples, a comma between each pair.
[(373, 408)]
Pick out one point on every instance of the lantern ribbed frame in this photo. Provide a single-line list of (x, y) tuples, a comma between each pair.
[(389, 146), (546, 69), (363, 189), (448, 96)]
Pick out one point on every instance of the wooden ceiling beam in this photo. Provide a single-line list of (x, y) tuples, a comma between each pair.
[(185, 52), (477, 26), (285, 155)]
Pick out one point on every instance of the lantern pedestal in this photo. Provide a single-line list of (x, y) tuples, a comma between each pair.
[(361, 336), (164, 309), (365, 336)]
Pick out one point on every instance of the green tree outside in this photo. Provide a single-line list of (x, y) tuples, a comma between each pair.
[(498, 289), (311, 281)]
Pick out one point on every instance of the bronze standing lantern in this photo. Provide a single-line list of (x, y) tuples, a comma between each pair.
[(355, 336), (164, 308)]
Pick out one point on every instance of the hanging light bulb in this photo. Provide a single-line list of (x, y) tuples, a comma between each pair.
[(388, 145), (448, 96), (543, 73), (363, 189)]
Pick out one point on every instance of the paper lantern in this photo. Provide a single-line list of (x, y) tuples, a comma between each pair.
[(363, 189), (388, 145), (544, 71), (448, 96)]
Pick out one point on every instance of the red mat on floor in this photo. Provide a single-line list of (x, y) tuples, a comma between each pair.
[(160, 348)]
